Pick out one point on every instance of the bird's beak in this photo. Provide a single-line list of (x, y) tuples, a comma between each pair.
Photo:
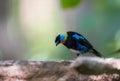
[(57, 43)]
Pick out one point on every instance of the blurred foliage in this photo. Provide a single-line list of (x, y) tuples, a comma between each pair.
[(117, 39), (70, 3), (33, 26)]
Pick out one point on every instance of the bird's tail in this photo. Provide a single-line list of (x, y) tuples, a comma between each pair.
[(115, 52), (96, 53)]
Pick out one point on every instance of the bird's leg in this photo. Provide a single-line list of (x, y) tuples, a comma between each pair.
[(78, 54), (75, 58)]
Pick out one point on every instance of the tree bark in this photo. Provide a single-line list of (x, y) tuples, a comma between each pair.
[(81, 69)]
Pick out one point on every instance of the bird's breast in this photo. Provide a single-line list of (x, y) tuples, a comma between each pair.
[(75, 51)]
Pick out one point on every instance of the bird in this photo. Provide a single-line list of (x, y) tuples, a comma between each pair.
[(77, 43)]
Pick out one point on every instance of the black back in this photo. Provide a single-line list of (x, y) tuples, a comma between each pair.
[(81, 41)]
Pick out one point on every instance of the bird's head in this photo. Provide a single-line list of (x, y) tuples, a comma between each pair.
[(61, 38)]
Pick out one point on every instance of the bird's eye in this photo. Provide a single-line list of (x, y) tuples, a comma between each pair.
[(57, 38)]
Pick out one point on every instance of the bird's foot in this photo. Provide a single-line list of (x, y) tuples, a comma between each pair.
[(78, 54)]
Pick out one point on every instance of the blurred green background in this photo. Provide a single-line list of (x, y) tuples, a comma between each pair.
[(28, 27)]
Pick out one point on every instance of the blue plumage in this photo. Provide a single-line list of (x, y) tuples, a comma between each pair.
[(82, 48), (76, 42), (78, 37), (62, 37)]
